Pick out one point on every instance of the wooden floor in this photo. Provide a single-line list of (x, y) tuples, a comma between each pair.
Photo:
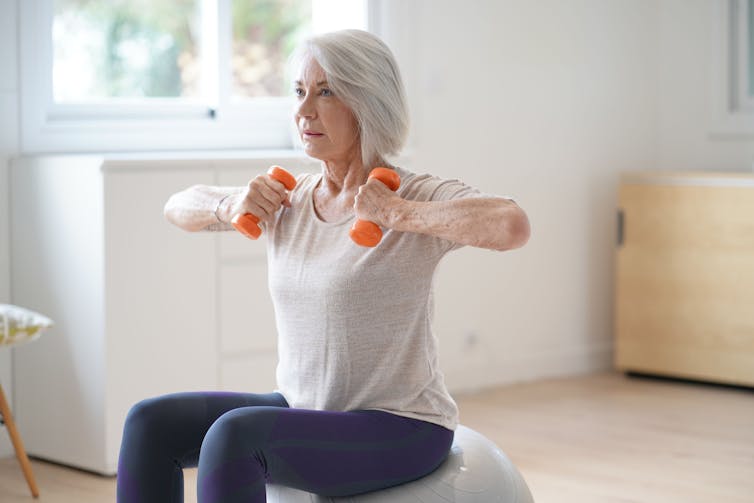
[(594, 439)]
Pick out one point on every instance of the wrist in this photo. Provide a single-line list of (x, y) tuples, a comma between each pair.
[(222, 208), (400, 216)]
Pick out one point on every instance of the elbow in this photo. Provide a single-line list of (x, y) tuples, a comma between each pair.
[(169, 211), (516, 229), (175, 212), (522, 230)]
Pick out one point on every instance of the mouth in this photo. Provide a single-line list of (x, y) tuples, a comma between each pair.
[(308, 133)]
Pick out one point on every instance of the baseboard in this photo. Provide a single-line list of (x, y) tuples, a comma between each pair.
[(470, 377)]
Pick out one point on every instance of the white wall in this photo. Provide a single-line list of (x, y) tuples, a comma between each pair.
[(8, 147), (688, 80), (546, 101)]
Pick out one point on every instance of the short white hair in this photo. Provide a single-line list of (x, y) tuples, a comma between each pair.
[(362, 71)]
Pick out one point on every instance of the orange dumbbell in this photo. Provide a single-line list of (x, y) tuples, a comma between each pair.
[(248, 224), (367, 233)]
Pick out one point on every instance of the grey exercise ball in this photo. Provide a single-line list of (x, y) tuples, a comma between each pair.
[(476, 471)]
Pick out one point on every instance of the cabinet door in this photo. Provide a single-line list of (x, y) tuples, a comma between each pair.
[(248, 336), (685, 281), (160, 293), (58, 265), (246, 315)]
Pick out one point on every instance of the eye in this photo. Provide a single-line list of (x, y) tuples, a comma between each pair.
[(326, 92), (299, 92)]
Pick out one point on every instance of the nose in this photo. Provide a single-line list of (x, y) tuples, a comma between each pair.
[(305, 107)]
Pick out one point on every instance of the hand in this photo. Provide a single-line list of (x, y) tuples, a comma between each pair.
[(376, 203), (262, 198)]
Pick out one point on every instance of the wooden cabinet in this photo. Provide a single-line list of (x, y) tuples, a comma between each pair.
[(141, 307), (685, 276)]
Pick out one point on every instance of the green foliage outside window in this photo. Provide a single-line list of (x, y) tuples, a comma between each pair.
[(151, 48), (265, 32)]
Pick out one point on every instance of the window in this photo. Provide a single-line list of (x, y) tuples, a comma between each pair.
[(732, 70), (126, 50), (749, 52), (165, 74), (741, 47)]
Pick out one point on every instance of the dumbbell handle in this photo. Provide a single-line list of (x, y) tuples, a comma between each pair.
[(367, 233), (248, 224)]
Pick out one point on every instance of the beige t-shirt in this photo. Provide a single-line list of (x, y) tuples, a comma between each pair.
[(354, 323)]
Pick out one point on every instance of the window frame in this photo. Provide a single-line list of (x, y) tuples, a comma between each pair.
[(152, 124), (740, 57), (732, 109)]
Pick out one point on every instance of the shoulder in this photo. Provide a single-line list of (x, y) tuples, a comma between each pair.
[(304, 180), (305, 183), (429, 187)]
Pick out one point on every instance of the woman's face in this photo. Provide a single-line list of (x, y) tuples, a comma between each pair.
[(325, 124)]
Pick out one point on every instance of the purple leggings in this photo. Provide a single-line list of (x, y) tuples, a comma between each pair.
[(240, 441)]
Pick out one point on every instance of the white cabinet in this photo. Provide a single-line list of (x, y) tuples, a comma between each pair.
[(247, 333), (141, 307)]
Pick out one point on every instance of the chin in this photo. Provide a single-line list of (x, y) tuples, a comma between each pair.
[(312, 153)]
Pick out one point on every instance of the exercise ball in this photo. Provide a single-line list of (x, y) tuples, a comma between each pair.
[(476, 471)]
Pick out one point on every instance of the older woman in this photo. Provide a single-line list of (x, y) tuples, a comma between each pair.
[(361, 403)]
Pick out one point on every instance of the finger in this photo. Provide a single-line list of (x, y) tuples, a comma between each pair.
[(271, 194), (375, 183), (375, 189), (280, 189), (276, 184), (367, 195), (362, 205), (265, 208), (257, 205), (265, 196)]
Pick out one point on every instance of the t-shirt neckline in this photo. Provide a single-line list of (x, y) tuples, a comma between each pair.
[(313, 209)]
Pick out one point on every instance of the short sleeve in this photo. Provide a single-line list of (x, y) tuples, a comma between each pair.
[(428, 188)]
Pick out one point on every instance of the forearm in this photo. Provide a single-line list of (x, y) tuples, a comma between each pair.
[(202, 208), (494, 223)]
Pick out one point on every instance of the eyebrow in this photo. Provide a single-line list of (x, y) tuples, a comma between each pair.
[(320, 83)]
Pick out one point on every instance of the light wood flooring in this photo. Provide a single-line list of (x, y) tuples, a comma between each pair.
[(596, 439)]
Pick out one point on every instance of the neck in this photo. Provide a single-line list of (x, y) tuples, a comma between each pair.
[(343, 177), (333, 198)]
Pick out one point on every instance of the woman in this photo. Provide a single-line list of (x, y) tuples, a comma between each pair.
[(361, 403)]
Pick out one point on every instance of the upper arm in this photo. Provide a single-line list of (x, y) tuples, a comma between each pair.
[(498, 220)]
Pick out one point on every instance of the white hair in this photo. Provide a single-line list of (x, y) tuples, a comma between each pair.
[(362, 71)]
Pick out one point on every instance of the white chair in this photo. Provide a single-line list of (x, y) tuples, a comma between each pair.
[(476, 471), (18, 326)]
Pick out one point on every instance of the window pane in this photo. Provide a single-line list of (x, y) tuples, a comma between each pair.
[(265, 32), (750, 45), (104, 49), (331, 15)]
